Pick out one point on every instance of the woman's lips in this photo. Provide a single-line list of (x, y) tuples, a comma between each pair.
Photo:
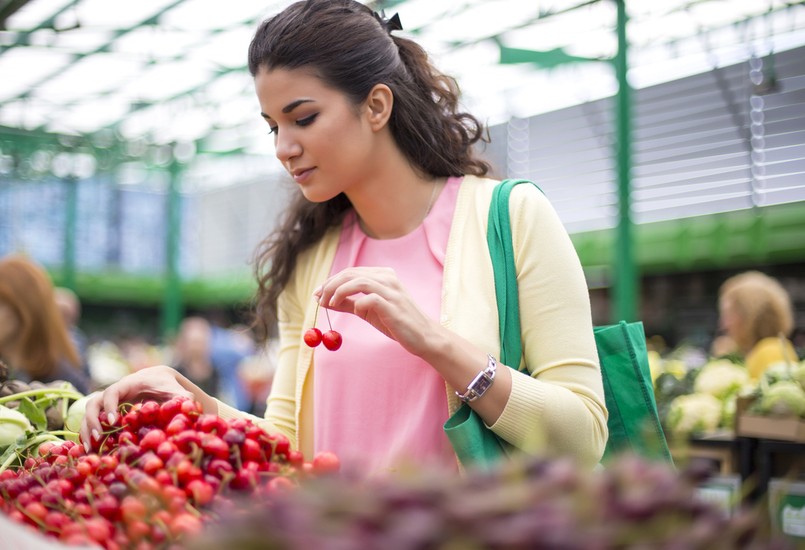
[(300, 176)]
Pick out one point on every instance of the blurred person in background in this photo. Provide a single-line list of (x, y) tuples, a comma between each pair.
[(209, 355), (192, 354), (70, 307), (34, 340), (756, 317), (229, 347)]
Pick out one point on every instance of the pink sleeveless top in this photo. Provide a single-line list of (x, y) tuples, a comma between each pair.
[(378, 407)]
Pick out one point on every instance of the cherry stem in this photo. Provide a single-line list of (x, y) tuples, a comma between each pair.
[(327, 312)]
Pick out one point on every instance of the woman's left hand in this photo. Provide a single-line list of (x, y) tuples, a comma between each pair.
[(376, 295)]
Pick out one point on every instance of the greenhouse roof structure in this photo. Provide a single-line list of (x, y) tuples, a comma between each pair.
[(156, 72)]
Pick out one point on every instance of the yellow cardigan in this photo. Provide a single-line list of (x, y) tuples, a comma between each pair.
[(558, 409)]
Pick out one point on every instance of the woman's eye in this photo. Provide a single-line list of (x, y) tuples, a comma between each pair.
[(307, 120), (273, 129)]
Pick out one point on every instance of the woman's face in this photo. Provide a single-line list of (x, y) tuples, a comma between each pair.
[(729, 318), (9, 326), (322, 139)]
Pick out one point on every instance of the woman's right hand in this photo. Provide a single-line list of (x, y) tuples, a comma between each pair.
[(157, 383)]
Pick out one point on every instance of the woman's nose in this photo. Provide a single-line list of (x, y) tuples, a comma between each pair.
[(287, 147)]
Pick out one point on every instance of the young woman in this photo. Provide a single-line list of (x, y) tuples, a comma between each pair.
[(386, 243), (34, 341)]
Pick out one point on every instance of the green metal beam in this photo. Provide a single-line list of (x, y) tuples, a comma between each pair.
[(172, 301), (105, 47), (23, 38), (738, 239), (625, 288), (70, 219)]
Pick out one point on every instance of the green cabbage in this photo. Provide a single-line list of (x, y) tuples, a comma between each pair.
[(75, 414), (12, 425), (782, 399), (721, 379), (694, 413)]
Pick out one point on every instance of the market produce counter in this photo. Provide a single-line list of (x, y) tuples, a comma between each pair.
[(756, 460)]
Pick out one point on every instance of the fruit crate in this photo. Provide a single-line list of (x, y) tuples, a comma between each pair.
[(787, 509), (787, 428)]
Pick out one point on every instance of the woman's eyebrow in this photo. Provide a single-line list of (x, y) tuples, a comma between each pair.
[(290, 107)]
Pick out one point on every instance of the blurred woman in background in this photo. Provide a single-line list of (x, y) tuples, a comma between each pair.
[(34, 341), (756, 315)]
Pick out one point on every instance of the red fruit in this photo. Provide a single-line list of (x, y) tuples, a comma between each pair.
[(219, 468), (192, 409), (200, 491), (56, 521), (84, 510), (214, 446), (178, 424), (166, 450), (152, 440), (185, 524), (295, 458), (282, 446), (76, 451), (108, 507), (149, 413), (209, 423), (169, 409), (35, 511), (127, 437), (107, 464), (186, 472), (163, 477), (187, 440), (59, 450), (280, 484), (244, 479), (46, 447), (332, 340), (137, 530), (151, 463), (98, 529), (132, 509), (251, 451), (131, 420), (313, 337)]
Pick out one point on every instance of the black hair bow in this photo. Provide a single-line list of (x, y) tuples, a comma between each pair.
[(392, 24)]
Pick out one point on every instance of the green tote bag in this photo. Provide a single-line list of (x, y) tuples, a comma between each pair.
[(633, 422)]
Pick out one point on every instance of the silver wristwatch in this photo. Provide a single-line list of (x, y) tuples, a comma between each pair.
[(482, 381)]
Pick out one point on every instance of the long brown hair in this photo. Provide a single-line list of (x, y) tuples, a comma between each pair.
[(351, 49), (42, 339)]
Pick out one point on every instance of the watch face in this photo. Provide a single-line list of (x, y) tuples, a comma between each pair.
[(482, 385)]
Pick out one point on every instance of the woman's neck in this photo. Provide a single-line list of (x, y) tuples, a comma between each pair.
[(396, 200)]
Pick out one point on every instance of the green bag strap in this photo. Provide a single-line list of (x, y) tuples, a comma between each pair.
[(501, 251)]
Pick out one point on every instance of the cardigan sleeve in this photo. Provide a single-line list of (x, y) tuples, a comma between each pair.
[(558, 406)]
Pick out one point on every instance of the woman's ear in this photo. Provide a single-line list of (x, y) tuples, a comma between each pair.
[(378, 106)]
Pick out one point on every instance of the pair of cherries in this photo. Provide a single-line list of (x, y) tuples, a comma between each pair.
[(331, 339)]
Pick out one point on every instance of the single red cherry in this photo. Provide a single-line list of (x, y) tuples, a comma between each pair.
[(313, 337), (331, 339)]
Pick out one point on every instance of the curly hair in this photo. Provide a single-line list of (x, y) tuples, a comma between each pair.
[(761, 303)]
